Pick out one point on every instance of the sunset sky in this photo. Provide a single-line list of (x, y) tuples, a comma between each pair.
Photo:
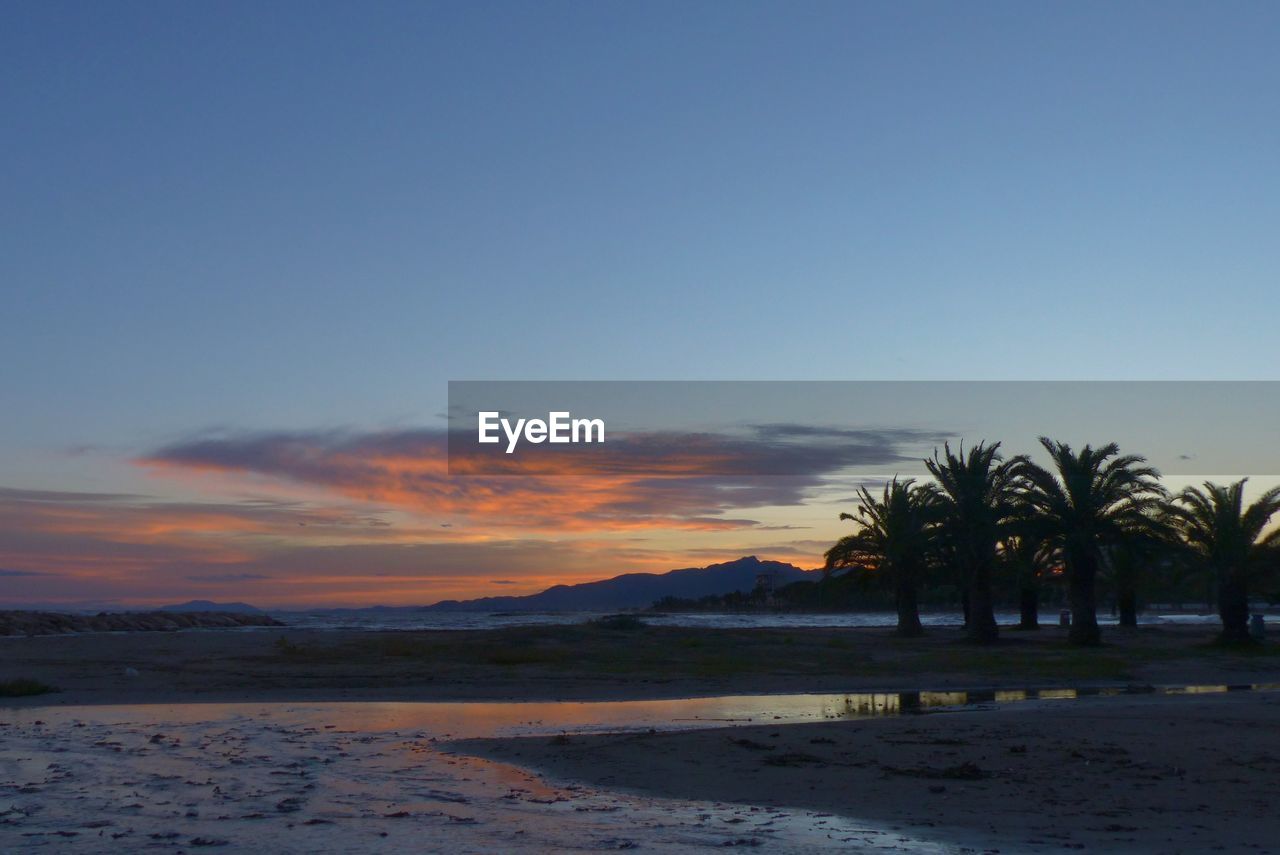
[(245, 247)]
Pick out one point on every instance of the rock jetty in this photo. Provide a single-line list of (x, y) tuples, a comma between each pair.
[(54, 623)]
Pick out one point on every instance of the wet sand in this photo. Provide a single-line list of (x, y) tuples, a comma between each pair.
[(1152, 774), (581, 662), (360, 777), (178, 771)]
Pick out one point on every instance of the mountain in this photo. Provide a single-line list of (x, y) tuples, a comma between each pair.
[(640, 590), (209, 606)]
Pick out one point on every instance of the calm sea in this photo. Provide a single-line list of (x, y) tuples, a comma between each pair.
[(392, 619)]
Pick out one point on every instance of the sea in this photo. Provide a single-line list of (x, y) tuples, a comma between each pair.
[(429, 619)]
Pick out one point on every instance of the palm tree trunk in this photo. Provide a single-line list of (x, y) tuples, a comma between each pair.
[(981, 627), (1233, 608), (1128, 603), (1029, 605), (1082, 572), (908, 611)]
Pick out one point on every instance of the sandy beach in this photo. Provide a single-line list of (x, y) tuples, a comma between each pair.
[(1181, 774), (542, 738)]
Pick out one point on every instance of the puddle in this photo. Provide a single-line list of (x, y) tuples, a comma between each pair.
[(472, 719), (346, 778), (361, 777), (913, 702)]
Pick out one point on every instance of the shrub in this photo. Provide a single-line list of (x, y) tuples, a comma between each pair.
[(23, 688)]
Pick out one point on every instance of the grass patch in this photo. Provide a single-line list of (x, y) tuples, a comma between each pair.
[(1056, 662), (1251, 649), (618, 648), (24, 688)]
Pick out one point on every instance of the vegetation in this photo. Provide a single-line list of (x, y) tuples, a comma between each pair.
[(979, 498), (987, 524), (990, 531), (23, 688), (1028, 562), (895, 543), (1094, 499), (622, 623), (556, 656), (1226, 540)]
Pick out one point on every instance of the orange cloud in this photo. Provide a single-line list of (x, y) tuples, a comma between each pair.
[(378, 518), (668, 485)]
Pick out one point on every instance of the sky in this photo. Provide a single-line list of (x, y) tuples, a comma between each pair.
[(287, 226)]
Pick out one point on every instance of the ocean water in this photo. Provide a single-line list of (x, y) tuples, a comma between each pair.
[(407, 619)]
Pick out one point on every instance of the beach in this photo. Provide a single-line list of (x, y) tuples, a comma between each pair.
[(362, 777), (594, 662), (592, 737), (1184, 774)]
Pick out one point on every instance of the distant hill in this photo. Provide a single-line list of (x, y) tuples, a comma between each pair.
[(209, 606), (640, 590)]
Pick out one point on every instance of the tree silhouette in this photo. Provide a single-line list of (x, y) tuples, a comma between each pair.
[(1225, 539), (893, 544), (1094, 499), (1029, 560), (1150, 546), (978, 497)]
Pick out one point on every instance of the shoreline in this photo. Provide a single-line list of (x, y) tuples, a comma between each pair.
[(1152, 774), (1144, 772)]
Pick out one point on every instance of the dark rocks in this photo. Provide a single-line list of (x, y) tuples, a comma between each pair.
[(54, 623)]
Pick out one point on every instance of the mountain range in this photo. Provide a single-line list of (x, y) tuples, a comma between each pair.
[(641, 590)]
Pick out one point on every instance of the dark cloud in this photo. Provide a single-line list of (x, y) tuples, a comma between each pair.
[(774, 450), (54, 497), (47, 504), (228, 577), (863, 436), (687, 480), (6, 573), (376, 504), (757, 451)]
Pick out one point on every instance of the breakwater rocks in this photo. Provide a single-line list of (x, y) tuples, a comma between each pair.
[(54, 623)]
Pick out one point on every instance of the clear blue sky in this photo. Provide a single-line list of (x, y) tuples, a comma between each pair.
[(303, 215)]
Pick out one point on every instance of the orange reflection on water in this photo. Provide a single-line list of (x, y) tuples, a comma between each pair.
[(1011, 695), (1195, 690)]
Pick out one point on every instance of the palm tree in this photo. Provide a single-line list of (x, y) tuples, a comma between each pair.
[(1148, 547), (978, 497), (1030, 560), (1097, 498), (1227, 540), (893, 544)]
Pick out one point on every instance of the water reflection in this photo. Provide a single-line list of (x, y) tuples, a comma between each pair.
[(368, 777), (463, 720), (278, 778)]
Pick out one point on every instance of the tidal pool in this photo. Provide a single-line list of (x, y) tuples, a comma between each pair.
[(369, 776)]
